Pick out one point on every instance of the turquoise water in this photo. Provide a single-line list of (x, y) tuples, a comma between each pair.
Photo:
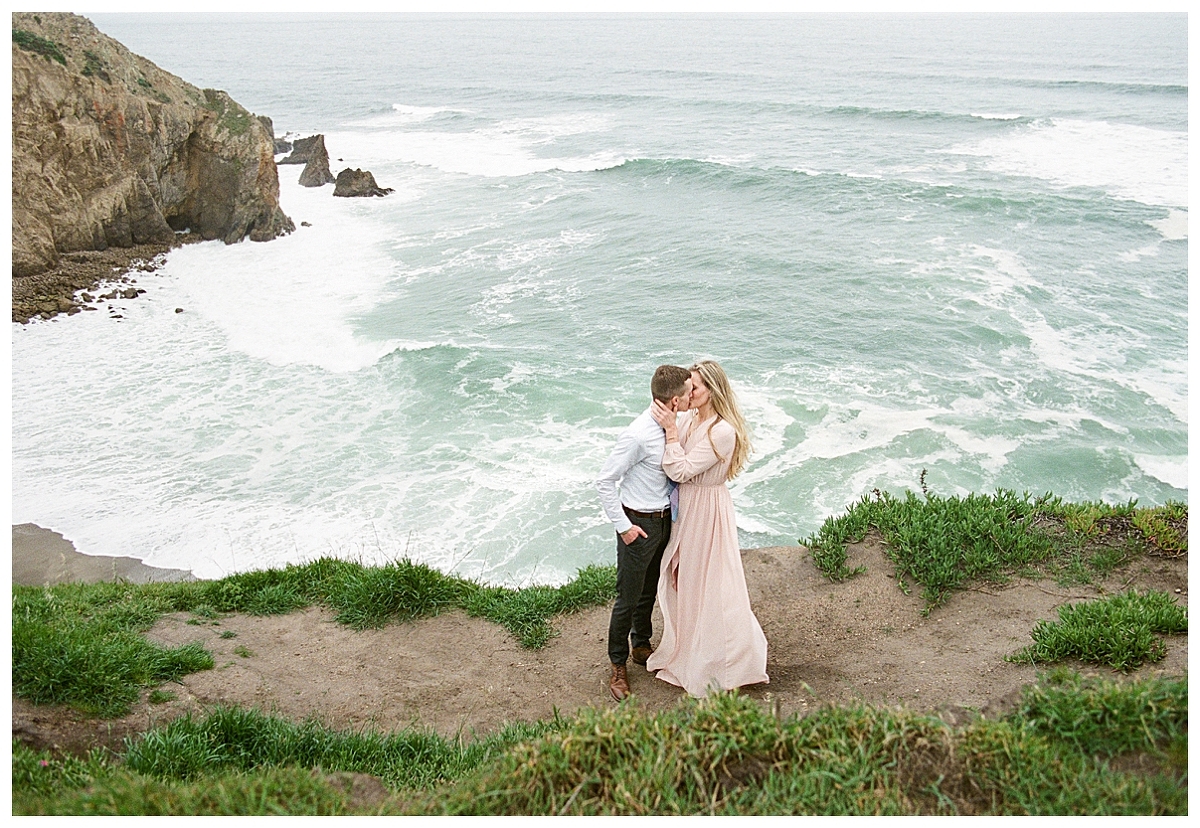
[(947, 243)]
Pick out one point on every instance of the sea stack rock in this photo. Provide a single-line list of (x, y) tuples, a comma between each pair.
[(302, 148), (111, 151), (352, 183), (316, 172)]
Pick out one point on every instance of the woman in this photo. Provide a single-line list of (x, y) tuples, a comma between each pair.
[(710, 635)]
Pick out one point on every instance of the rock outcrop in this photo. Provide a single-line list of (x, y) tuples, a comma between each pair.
[(302, 148), (111, 151), (351, 183), (316, 172)]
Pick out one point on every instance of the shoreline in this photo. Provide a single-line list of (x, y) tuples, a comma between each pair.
[(43, 557), (54, 291)]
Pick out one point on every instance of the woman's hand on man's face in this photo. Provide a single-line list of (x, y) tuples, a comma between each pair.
[(662, 415)]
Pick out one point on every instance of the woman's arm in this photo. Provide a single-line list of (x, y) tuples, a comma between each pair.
[(681, 465)]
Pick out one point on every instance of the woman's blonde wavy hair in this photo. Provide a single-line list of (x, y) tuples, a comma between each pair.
[(725, 405)]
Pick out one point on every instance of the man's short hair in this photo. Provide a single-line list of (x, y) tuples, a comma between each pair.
[(669, 381)]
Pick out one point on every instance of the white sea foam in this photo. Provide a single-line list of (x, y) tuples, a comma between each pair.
[(999, 116), (421, 112), (1139, 253), (769, 420), (402, 115), (1095, 350), (1165, 383), (1127, 161), (504, 149), (746, 523), (486, 153), (1174, 227), (291, 301), (1008, 273), (991, 452), (1170, 470), (193, 456)]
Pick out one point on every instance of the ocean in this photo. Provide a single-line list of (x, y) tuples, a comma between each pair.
[(950, 244)]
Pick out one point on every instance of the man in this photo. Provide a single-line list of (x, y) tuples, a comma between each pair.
[(636, 496)]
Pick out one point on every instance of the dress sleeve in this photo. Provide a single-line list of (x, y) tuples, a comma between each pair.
[(681, 465)]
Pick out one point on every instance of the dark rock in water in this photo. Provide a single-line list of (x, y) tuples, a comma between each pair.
[(354, 183), (305, 224), (129, 293), (301, 150), (316, 172), (179, 310), (282, 146)]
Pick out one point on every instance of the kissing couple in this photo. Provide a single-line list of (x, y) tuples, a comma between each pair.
[(664, 489)]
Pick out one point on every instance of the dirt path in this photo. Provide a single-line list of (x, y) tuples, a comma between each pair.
[(861, 639)]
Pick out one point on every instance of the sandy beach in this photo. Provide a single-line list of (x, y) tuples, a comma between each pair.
[(42, 557)]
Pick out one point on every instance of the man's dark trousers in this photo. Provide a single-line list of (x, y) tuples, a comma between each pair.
[(637, 585)]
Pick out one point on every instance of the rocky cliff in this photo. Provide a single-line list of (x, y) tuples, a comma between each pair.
[(109, 151)]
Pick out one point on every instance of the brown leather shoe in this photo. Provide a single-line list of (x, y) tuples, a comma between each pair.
[(640, 654), (618, 683)]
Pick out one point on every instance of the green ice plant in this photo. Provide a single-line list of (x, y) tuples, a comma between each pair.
[(1120, 631), (947, 543)]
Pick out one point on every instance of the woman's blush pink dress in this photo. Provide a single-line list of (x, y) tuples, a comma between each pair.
[(710, 635)]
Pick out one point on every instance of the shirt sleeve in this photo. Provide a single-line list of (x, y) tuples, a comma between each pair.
[(682, 465), (628, 451)]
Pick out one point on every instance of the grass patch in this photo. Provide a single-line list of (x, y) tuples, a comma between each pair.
[(942, 543), (232, 117), (39, 45), (161, 696), (947, 543), (100, 787), (525, 612), (1105, 717), (725, 755), (234, 739), (1117, 632), (721, 755), (82, 644), (373, 596), (93, 66), (1165, 527)]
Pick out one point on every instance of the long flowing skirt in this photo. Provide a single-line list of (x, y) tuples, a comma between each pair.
[(710, 635)]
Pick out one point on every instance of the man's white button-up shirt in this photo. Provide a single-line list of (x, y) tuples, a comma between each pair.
[(633, 473)]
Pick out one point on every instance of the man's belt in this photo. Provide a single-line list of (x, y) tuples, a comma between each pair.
[(659, 513)]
